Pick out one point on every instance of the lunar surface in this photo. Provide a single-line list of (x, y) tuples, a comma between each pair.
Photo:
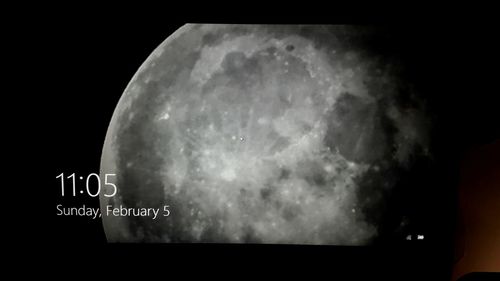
[(263, 134)]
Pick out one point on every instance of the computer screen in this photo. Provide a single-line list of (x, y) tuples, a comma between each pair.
[(338, 142)]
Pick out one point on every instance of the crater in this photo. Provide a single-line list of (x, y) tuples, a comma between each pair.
[(290, 212), (284, 174)]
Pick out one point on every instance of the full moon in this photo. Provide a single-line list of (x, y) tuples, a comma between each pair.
[(263, 134)]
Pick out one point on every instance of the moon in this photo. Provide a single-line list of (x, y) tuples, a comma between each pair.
[(268, 134)]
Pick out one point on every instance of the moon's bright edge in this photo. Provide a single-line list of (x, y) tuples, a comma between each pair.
[(260, 134)]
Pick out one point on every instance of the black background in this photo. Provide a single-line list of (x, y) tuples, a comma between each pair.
[(91, 56)]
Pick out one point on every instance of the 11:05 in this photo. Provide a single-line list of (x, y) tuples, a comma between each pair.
[(107, 184)]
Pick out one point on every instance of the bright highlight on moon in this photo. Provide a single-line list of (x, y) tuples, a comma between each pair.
[(262, 134)]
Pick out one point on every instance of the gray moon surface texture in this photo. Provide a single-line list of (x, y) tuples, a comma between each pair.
[(261, 134)]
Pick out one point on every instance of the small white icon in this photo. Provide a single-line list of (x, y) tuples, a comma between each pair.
[(420, 237), (408, 237)]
